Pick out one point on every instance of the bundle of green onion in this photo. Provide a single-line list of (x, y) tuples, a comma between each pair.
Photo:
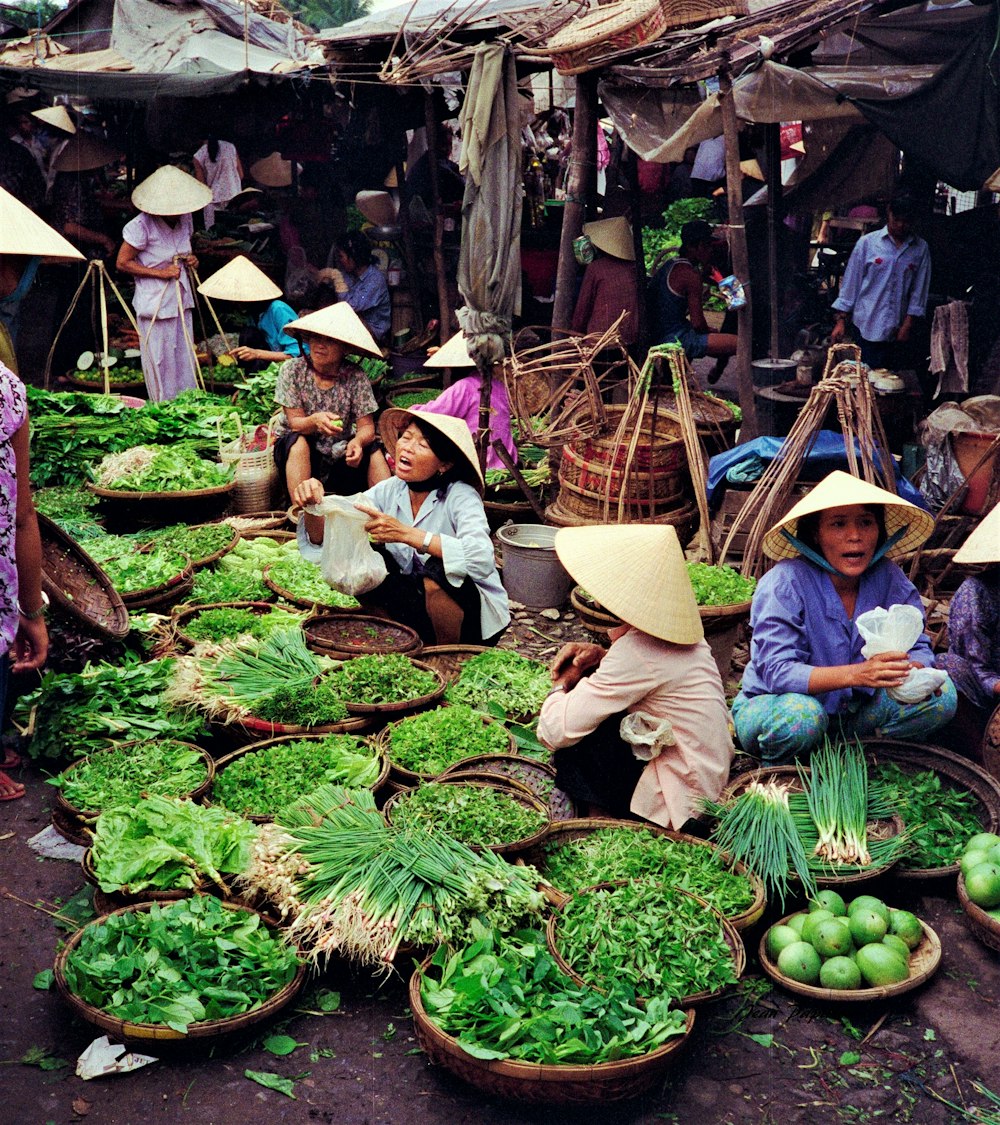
[(836, 791)]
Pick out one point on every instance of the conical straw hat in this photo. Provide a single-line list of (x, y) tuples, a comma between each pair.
[(84, 153), (453, 353), (637, 572), (394, 421), (171, 191), (272, 171), (983, 545), (391, 180), (239, 280), (57, 117), (23, 232), (338, 322), (840, 489), (613, 236), (377, 207)]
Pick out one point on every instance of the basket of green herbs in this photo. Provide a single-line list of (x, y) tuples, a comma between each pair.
[(226, 621), (482, 814), (497, 679), (259, 780), (665, 942), (403, 400), (191, 969), (299, 581), (500, 1014), (168, 472), (121, 378), (721, 592), (359, 634), (204, 543), (146, 579), (238, 575), (385, 684), (943, 799), (537, 778), (422, 746), (584, 852)]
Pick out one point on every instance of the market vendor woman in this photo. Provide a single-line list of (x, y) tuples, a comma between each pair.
[(659, 676), (807, 673), (443, 578)]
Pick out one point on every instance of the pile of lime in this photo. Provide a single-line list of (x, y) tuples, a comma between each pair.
[(843, 946), (980, 866)]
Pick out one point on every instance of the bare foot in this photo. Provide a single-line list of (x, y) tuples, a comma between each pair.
[(10, 790)]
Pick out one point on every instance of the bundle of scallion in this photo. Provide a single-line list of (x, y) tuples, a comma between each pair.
[(836, 797)]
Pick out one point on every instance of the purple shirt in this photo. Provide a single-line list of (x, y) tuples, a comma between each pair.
[(973, 656), (799, 623), (158, 244), (13, 411), (461, 400)]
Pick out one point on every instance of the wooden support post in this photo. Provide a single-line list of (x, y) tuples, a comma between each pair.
[(775, 213), (740, 255), (406, 241), (444, 310)]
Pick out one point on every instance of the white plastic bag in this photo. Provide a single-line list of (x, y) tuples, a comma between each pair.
[(897, 629), (646, 734), (348, 562)]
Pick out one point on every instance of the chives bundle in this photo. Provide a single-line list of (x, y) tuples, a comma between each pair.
[(836, 792)]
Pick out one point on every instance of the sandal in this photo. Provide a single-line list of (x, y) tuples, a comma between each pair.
[(10, 790)]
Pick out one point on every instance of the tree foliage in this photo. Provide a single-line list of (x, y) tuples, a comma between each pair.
[(329, 13)]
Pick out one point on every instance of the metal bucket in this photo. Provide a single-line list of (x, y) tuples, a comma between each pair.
[(532, 572)]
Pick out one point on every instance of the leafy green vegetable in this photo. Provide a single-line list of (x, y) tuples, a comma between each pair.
[(228, 623), (430, 742), (380, 678), (281, 1044), (512, 683), (284, 1086), (302, 579), (480, 816), (719, 585), (669, 236), (229, 585), (174, 468), (403, 400), (131, 570), (199, 541), (321, 706)]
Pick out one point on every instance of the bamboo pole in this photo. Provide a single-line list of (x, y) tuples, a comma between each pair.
[(579, 191), (444, 311), (775, 209)]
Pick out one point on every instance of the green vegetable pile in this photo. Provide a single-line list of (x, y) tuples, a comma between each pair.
[(661, 941), (610, 854), (719, 585), (381, 678), (536, 477), (263, 782), (122, 774), (117, 373), (72, 509), (131, 570), (479, 816), (179, 963), (302, 579), (291, 706), (669, 236), (168, 844), (237, 576), (228, 623), (199, 541), (175, 468), (432, 741), (403, 400), (507, 998), (510, 683)]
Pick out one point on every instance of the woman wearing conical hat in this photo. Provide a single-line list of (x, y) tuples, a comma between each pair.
[(807, 674), (155, 251), (641, 727)]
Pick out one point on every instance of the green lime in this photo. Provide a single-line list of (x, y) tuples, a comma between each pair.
[(982, 842), (897, 945), (906, 926), (800, 962), (840, 973), (982, 885), (797, 921), (868, 902), (973, 859), (812, 921), (879, 965)]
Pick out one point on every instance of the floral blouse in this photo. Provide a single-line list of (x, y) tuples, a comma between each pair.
[(13, 411), (350, 396)]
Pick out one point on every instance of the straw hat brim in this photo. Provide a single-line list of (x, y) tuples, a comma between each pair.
[(452, 353), (23, 232), (839, 490), (394, 420), (57, 117), (613, 236), (983, 544), (171, 191), (240, 280), (272, 171), (338, 322), (378, 207), (637, 572), (83, 154)]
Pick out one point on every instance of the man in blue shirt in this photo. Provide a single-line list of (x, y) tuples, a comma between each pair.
[(885, 285)]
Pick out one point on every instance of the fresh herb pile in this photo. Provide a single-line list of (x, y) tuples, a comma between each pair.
[(77, 713), (479, 816), (609, 854), (432, 741), (289, 706), (513, 684), (174, 468), (719, 585), (507, 998), (302, 579), (536, 477), (403, 400), (661, 941), (229, 622), (939, 817), (238, 575), (199, 541), (132, 570), (669, 236), (381, 678), (122, 774), (374, 368), (168, 844), (72, 509), (263, 782), (255, 393), (179, 963)]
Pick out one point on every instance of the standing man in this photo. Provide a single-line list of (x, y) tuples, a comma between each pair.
[(885, 285)]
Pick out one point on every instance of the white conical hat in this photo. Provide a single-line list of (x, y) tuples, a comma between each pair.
[(171, 191), (378, 207), (613, 236), (840, 489), (84, 153), (338, 322), (239, 280), (272, 171), (453, 353), (56, 116), (394, 420), (23, 232), (637, 572), (983, 545)]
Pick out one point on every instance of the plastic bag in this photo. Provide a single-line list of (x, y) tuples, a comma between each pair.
[(897, 629), (646, 734), (348, 562)]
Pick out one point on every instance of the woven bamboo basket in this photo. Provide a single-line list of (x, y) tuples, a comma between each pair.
[(160, 509), (153, 1033), (208, 560), (538, 778), (77, 586), (358, 634), (406, 778), (512, 847), (733, 940), (616, 26), (590, 505), (262, 748), (184, 614), (660, 446), (714, 419), (403, 706), (538, 1084), (983, 925), (560, 834), (448, 659), (296, 599), (597, 478), (164, 595), (248, 728), (957, 772), (924, 962), (683, 518), (592, 616), (718, 618)]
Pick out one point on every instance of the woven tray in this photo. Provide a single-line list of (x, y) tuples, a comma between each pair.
[(77, 586), (358, 634), (165, 595), (718, 618), (241, 731), (404, 706), (186, 613), (595, 618), (296, 599), (123, 1030), (448, 659), (406, 777), (577, 47), (114, 494), (537, 778), (129, 510), (924, 961), (586, 501), (733, 940), (714, 419), (983, 925), (263, 746), (537, 1084)]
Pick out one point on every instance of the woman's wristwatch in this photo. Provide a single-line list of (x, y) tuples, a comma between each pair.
[(34, 614), (428, 540)]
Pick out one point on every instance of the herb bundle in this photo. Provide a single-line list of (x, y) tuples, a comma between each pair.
[(173, 468), (432, 741), (513, 684), (478, 815), (291, 706), (381, 678), (719, 585)]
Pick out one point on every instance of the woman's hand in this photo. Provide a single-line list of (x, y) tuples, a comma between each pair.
[(885, 670), (31, 645), (354, 452), (326, 422), (310, 491), (169, 273), (190, 260), (243, 352), (573, 661), (387, 529)]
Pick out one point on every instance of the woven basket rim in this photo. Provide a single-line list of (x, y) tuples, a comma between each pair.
[(296, 599), (614, 496), (382, 624), (417, 703), (413, 777), (190, 494), (985, 927), (135, 597), (598, 25)]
